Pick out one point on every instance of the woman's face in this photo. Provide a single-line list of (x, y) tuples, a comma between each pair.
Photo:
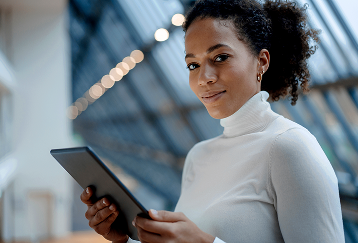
[(223, 72)]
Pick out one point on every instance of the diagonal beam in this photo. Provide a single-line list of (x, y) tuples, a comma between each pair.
[(344, 56), (91, 24), (347, 83), (343, 24), (337, 111)]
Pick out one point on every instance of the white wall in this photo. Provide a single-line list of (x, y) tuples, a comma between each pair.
[(40, 57)]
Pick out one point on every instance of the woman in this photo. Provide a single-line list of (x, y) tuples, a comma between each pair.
[(265, 179)]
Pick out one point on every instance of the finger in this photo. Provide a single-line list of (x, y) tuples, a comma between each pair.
[(99, 205), (104, 227), (155, 227), (166, 216), (102, 215), (86, 196), (145, 236)]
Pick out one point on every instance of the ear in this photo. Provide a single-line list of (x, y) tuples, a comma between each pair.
[(263, 61)]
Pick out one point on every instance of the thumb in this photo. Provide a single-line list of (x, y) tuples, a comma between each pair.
[(86, 196), (166, 216)]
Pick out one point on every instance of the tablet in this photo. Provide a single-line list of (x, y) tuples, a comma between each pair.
[(88, 170)]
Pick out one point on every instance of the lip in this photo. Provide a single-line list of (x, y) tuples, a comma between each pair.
[(212, 96)]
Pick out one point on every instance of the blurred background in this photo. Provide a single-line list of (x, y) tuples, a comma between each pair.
[(111, 74)]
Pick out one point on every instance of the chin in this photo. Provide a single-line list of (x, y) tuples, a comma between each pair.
[(216, 114)]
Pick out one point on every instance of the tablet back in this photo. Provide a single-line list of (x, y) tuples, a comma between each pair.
[(88, 170)]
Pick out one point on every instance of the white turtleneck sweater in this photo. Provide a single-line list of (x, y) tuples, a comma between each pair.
[(265, 179)]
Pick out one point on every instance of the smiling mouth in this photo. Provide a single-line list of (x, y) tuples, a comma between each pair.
[(212, 97)]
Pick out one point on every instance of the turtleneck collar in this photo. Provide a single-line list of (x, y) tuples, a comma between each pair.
[(252, 117)]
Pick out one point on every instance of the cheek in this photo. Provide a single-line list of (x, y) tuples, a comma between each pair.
[(245, 76)]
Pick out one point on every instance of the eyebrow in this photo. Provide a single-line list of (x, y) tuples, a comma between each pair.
[(210, 49)]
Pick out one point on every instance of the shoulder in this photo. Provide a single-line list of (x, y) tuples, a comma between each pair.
[(289, 137), (296, 143), (297, 147), (292, 140), (296, 156)]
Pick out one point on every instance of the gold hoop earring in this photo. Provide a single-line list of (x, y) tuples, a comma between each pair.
[(259, 76)]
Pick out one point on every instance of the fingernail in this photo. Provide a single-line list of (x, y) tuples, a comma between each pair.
[(155, 212), (104, 202), (87, 190), (133, 223), (111, 207)]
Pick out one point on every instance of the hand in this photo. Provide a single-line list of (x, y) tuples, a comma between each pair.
[(169, 227), (101, 216)]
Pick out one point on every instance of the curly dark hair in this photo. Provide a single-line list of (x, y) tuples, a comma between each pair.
[(278, 26)]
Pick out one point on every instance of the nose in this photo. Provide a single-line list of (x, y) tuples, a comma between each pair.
[(207, 75)]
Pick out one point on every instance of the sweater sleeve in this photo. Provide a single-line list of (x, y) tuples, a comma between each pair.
[(304, 189), (132, 241), (217, 240)]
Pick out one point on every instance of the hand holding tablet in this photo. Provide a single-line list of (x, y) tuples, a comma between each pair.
[(105, 191), (103, 217)]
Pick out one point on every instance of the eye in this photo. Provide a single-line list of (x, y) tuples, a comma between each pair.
[(221, 58), (192, 66)]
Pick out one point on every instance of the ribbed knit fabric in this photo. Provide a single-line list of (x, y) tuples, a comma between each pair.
[(250, 118), (264, 180)]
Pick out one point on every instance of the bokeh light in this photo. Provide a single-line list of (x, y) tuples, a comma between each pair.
[(124, 67), (79, 106), (137, 55), (178, 19), (107, 81), (116, 74), (89, 97), (96, 91), (83, 102), (161, 34), (130, 61), (72, 112)]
